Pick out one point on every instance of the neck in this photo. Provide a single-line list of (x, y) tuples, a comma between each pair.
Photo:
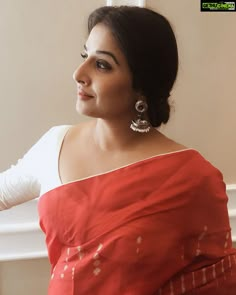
[(110, 136)]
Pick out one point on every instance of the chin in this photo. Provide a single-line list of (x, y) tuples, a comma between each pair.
[(85, 112)]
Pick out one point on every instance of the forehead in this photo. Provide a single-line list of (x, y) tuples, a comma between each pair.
[(101, 38)]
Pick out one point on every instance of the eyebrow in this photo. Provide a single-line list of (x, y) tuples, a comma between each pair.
[(107, 53)]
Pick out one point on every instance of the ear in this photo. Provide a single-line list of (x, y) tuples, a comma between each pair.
[(140, 96)]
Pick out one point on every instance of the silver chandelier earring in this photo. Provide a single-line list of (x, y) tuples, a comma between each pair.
[(140, 124)]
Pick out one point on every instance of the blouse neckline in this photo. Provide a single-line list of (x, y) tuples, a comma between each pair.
[(112, 170)]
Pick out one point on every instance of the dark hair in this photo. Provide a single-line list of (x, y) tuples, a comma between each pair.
[(149, 45)]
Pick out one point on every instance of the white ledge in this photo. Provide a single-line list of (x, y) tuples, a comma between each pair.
[(22, 238), (141, 3), (232, 212), (20, 234), (23, 256), (231, 192), (19, 227)]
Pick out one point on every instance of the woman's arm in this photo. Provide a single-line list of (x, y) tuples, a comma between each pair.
[(35, 173), (17, 185), (22, 182)]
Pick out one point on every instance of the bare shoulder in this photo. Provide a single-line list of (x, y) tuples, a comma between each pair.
[(161, 144), (171, 144)]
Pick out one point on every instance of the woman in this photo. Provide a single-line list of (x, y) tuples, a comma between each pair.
[(125, 209)]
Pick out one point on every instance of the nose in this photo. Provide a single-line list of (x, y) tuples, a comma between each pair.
[(81, 76)]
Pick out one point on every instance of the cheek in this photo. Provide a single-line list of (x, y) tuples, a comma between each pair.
[(115, 87)]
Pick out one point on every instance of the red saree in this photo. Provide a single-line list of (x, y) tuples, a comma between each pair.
[(159, 226)]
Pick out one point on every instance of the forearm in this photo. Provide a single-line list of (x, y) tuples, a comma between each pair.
[(16, 187)]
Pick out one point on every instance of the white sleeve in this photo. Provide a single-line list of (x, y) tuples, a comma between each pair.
[(21, 183), (16, 187)]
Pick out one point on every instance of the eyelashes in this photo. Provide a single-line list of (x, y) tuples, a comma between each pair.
[(103, 65), (84, 55), (100, 64)]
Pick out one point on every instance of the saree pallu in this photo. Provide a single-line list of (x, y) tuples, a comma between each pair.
[(155, 227)]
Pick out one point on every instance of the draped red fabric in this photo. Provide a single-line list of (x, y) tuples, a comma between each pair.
[(158, 226)]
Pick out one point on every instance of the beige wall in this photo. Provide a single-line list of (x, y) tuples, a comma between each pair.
[(204, 95), (41, 43), (24, 277)]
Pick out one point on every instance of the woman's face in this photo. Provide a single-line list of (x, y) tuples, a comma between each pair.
[(104, 81)]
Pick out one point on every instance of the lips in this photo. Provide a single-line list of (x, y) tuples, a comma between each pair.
[(84, 94)]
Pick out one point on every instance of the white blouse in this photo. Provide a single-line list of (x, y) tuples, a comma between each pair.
[(36, 173)]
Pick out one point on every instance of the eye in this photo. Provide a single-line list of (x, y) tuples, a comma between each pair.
[(103, 65), (84, 55)]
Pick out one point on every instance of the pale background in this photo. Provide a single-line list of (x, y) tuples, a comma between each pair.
[(40, 45)]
